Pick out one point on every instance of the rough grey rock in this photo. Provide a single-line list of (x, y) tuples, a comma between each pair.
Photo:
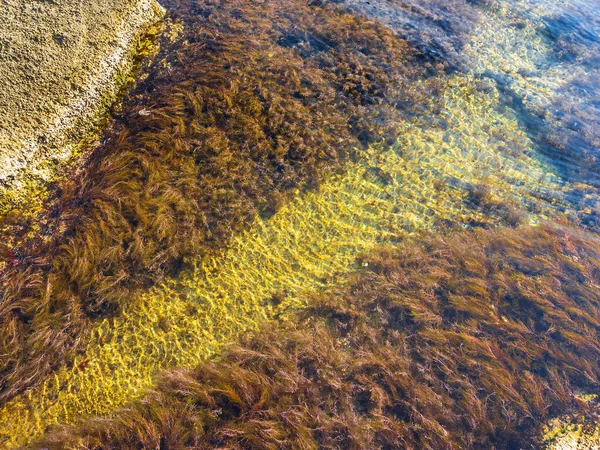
[(61, 61)]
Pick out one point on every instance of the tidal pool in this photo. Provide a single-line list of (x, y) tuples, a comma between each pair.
[(510, 139)]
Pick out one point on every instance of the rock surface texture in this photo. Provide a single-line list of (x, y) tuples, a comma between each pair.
[(61, 63)]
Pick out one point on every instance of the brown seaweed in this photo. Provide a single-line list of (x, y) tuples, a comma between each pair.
[(252, 101), (467, 341)]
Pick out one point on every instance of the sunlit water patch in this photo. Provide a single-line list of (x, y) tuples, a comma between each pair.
[(545, 60), (575, 433)]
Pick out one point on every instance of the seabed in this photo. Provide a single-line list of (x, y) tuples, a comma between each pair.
[(468, 159)]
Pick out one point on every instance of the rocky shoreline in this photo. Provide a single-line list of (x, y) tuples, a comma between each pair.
[(62, 62)]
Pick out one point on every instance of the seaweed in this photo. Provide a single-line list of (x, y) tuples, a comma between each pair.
[(224, 124), (466, 341), (437, 30), (312, 240)]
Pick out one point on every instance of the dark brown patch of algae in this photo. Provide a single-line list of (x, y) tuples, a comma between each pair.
[(468, 341)]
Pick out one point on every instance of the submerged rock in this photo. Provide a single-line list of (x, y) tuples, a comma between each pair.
[(61, 64)]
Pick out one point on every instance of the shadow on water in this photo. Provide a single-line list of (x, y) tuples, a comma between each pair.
[(566, 130), (567, 31)]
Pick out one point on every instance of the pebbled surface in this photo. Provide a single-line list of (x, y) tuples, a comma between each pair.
[(61, 62)]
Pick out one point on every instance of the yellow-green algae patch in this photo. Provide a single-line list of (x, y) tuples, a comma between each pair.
[(574, 433), (575, 436), (431, 177)]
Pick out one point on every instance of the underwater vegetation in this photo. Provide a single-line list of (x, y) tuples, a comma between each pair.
[(252, 101), (471, 340), (437, 30), (433, 178), (167, 242)]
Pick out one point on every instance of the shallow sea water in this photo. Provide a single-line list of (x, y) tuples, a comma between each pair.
[(481, 159)]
